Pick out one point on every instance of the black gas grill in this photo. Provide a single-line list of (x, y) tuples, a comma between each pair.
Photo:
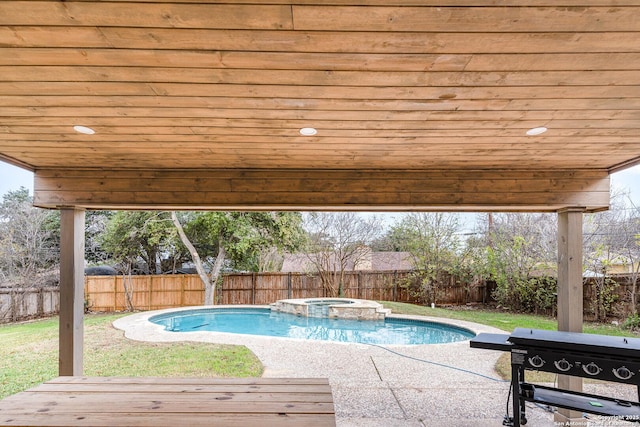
[(605, 358)]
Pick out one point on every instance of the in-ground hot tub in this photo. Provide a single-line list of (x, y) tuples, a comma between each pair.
[(334, 308)]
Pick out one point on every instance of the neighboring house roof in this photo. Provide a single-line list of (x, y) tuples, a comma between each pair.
[(612, 263), (373, 261), (296, 263), (382, 261)]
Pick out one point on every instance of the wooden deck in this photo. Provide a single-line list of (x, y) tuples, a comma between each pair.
[(110, 401)]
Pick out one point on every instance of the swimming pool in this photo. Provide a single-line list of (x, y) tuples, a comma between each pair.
[(263, 321)]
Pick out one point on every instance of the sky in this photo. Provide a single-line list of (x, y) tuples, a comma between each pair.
[(12, 178)]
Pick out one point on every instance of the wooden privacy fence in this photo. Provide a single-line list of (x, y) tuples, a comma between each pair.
[(26, 303), (107, 293), (265, 288)]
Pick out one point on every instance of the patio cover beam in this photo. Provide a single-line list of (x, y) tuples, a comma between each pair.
[(324, 189)]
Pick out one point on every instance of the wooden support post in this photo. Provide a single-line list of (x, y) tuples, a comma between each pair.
[(570, 290), (71, 291)]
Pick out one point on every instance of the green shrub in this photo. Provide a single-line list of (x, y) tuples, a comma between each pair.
[(632, 322), (529, 295)]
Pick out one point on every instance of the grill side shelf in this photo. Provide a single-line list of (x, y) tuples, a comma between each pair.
[(491, 342)]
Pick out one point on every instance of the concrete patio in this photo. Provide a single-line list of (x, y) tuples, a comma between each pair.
[(448, 385)]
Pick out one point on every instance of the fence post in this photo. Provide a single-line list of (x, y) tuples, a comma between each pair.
[(289, 286), (182, 279), (12, 298), (253, 288), (115, 293), (149, 293), (220, 289), (87, 296), (40, 303), (395, 285)]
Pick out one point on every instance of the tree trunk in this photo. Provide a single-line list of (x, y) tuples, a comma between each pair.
[(215, 273), (128, 288), (158, 263), (634, 286), (196, 259)]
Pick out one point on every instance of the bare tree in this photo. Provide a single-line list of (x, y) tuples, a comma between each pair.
[(28, 247), (630, 248), (432, 240), (338, 242), (612, 239), (520, 255), (28, 239)]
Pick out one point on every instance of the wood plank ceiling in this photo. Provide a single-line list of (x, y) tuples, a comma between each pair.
[(417, 104)]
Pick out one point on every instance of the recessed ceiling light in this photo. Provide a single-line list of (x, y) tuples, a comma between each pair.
[(537, 131), (83, 129), (308, 131)]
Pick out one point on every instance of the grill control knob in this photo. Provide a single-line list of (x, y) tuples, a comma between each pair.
[(623, 373), (563, 365), (536, 361), (592, 369)]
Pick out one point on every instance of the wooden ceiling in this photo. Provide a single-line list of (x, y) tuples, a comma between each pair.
[(417, 104)]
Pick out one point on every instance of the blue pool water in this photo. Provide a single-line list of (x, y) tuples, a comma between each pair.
[(254, 321)]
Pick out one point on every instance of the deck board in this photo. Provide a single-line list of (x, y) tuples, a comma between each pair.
[(94, 401)]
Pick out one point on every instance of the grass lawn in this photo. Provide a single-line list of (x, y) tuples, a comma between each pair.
[(507, 322), (502, 319), (29, 355)]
